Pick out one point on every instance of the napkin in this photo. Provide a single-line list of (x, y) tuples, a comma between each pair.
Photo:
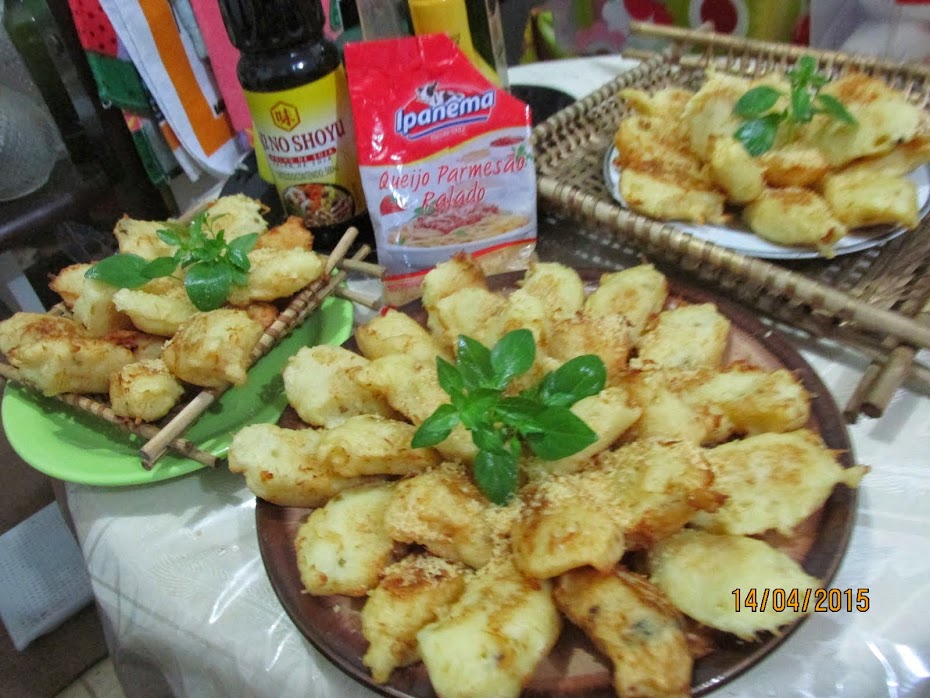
[(43, 580)]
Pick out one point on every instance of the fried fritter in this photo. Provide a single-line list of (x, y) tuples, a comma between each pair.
[(442, 510), (794, 216), (734, 170), (772, 481), (687, 336), (158, 307), (635, 625), (412, 592), (885, 118), (320, 385), (236, 215), (292, 234), (141, 238), (56, 355), (367, 444), (668, 189), (606, 336), (700, 572), (493, 637), (69, 282), (96, 311), (794, 165), (863, 197), (394, 332), (277, 274), (558, 286), (281, 466), (342, 547), (461, 271), (213, 349), (636, 293), (144, 390)]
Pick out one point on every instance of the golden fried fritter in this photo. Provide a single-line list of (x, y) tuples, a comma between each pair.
[(636, 293), (56, 355), (635, 625), (772, 481), (442, 510), (282, 467), (144, 390), (69, 282), (158, 307), (558, 286), (236, 215), (214, 348), (493, 637), (862, 198), (292, 234), (794, 216), (394, 332), (320, 385), (701, 572), (342, 547), (412, 592), (277, 274), (367, 444), (687, 336)]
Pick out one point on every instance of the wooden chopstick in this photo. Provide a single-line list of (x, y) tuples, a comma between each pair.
[(98, 409), (298, 309)]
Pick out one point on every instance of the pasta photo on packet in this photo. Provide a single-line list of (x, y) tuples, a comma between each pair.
[(445, 160)]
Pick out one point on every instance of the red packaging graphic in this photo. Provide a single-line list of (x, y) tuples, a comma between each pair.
[(445, 160)]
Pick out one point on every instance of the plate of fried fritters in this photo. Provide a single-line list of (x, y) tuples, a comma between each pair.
[(144, 349), (612, 571), (829, 189), (66, 443)]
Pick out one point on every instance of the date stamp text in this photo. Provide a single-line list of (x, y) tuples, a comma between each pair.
[(801, 600)]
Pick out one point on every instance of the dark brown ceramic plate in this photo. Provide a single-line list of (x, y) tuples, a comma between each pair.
[(575, 668)]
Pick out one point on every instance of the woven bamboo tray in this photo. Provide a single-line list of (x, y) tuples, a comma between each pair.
[(876, 301)]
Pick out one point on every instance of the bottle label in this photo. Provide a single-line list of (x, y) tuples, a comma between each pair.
[(308, 139)]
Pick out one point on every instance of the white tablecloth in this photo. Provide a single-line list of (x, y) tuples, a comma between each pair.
[(180, 583)]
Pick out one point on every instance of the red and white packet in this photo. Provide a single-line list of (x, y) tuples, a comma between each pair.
[(445, 160)]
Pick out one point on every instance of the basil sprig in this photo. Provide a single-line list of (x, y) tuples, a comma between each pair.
[(760, 128), (213, 265), (502, 425)]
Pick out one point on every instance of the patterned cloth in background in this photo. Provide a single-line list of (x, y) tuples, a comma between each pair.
[(565, 28)]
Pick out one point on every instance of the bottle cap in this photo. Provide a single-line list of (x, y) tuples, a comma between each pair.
[(270, 25)]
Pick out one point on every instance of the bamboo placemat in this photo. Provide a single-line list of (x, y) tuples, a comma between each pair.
[(876, 301)]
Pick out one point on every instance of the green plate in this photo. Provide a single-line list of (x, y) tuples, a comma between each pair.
[(71, 445)]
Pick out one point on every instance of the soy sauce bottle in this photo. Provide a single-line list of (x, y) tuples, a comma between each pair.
[(295, 85)]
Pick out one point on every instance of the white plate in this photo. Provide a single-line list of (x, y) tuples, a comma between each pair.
[(737, 237)]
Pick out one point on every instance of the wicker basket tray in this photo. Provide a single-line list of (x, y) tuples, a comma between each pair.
[(876, 301)]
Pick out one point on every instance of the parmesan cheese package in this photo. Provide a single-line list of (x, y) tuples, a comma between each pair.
[(445, 160)]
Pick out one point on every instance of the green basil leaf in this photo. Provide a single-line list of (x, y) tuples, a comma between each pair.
[(756, 102), (159, 267), (436, 428), (195, 234), (758, 135), (512, 356), (578, 378), (208, 284), (496, 475), (520, 413), (478, 409), (487, 438), (835, 108), (450, 379), (239, 277), (120, 270), (474, 363), (802, 72), (243, 243), (801, 109), (169, 237), (238, 259), (186, 258), (565, 434)]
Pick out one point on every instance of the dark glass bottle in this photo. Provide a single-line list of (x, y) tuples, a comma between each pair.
[(295, 85)]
